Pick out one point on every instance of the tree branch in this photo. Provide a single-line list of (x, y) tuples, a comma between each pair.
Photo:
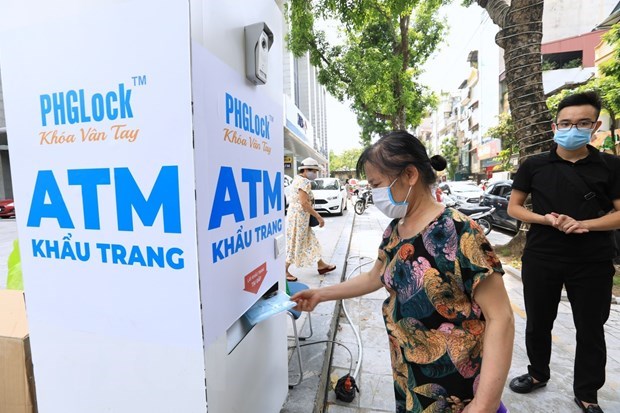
[(497, 9)]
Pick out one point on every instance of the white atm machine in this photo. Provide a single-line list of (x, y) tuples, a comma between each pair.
[(146, 145)]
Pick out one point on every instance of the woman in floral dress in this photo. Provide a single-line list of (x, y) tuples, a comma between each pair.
[(447, 305), (302, 246)]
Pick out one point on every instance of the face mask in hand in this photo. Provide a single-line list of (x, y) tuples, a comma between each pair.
[(311, 175), (382, 198), (573, 138)]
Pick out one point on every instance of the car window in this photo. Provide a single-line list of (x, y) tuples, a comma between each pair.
[(495, 190), (325, 184), (504, 190)]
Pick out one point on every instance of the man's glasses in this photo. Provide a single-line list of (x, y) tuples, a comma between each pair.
[(582, 125)]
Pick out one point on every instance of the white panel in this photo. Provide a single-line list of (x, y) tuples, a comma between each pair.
[(110, 332)]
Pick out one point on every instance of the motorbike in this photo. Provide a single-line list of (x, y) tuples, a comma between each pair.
[(364, 198), (479, 213)]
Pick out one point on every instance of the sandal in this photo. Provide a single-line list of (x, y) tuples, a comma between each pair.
[(291, 278), (327, 269)]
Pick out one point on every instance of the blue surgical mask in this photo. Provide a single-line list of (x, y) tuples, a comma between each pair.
[(311, 175), (573, 138), (383, 200)]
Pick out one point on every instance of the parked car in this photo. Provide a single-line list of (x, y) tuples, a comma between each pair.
[(287, 181), (463, 192), (329, 195), (497, 195), (7, 209)]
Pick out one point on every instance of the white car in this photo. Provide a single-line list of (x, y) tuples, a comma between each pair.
[(329, 195), (463, 192)]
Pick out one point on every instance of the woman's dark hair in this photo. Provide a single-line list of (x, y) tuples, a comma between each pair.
[(397, 150)]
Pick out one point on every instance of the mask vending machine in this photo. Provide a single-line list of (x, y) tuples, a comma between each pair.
[(146, 141)]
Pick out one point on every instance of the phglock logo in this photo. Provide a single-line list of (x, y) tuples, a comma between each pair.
[(245, 119), (73, 106)]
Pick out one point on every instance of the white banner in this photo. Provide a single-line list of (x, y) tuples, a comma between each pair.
[(239, 150), (99, 120)]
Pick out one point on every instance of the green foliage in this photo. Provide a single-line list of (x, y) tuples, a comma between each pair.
[(346, 161), (505, 131), (450, 151), (607, 87), (612, 67), (549, 65), (375, 64), (571, 64)]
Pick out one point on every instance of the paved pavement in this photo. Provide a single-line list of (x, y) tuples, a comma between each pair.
[(375, 378)]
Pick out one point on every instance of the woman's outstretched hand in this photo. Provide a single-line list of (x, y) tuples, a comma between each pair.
[(306, 300)]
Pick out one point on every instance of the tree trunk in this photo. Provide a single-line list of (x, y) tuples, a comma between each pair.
[(520, 36)]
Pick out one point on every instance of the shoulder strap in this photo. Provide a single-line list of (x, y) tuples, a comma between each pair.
[(578, 183)]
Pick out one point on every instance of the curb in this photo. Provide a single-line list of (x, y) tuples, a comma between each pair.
[(310, 395), (517, 274), (344, 244)]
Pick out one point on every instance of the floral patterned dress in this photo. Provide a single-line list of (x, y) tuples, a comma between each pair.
[(302, 246), (434, 326)]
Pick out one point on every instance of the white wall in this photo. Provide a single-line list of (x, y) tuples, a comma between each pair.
[(567, 18)]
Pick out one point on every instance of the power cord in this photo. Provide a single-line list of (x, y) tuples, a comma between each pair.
[(345, 386)]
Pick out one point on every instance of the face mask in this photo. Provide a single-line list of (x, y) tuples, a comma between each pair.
[(572, 139), (311, 175), (382, 198)]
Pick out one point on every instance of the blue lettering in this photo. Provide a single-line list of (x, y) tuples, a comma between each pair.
[(83, 116), (118, 254), (252, 177), (216, 250), (37, 251), (175, 264), (73, 115), (225, 188), (164, 195), (74, 106), (46, 107), (89, 179), (272, 195), (46, 185), (230, 107), (104, 251)]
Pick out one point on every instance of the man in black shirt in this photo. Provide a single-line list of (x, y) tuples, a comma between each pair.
[(569, 244)]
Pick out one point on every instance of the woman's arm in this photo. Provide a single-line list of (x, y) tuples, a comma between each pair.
[(364, 283), (499, 332)]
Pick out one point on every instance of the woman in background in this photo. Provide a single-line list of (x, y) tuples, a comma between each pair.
[(303, 248)]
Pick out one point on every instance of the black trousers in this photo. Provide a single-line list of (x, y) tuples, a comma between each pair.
[(588, 286)]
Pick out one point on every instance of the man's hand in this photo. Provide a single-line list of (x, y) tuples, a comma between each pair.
[(569, 225)]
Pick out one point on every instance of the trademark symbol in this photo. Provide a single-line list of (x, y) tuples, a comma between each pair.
[(139, 80)]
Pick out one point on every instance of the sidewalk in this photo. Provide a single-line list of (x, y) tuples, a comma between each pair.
[(375, 377)]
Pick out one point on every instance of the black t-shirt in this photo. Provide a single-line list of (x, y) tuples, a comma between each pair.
[(552, 192)]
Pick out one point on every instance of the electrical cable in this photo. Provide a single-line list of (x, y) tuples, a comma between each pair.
[(345, 386)]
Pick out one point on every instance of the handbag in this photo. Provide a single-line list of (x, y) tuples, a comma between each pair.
[(313, 221), (595, 202)]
